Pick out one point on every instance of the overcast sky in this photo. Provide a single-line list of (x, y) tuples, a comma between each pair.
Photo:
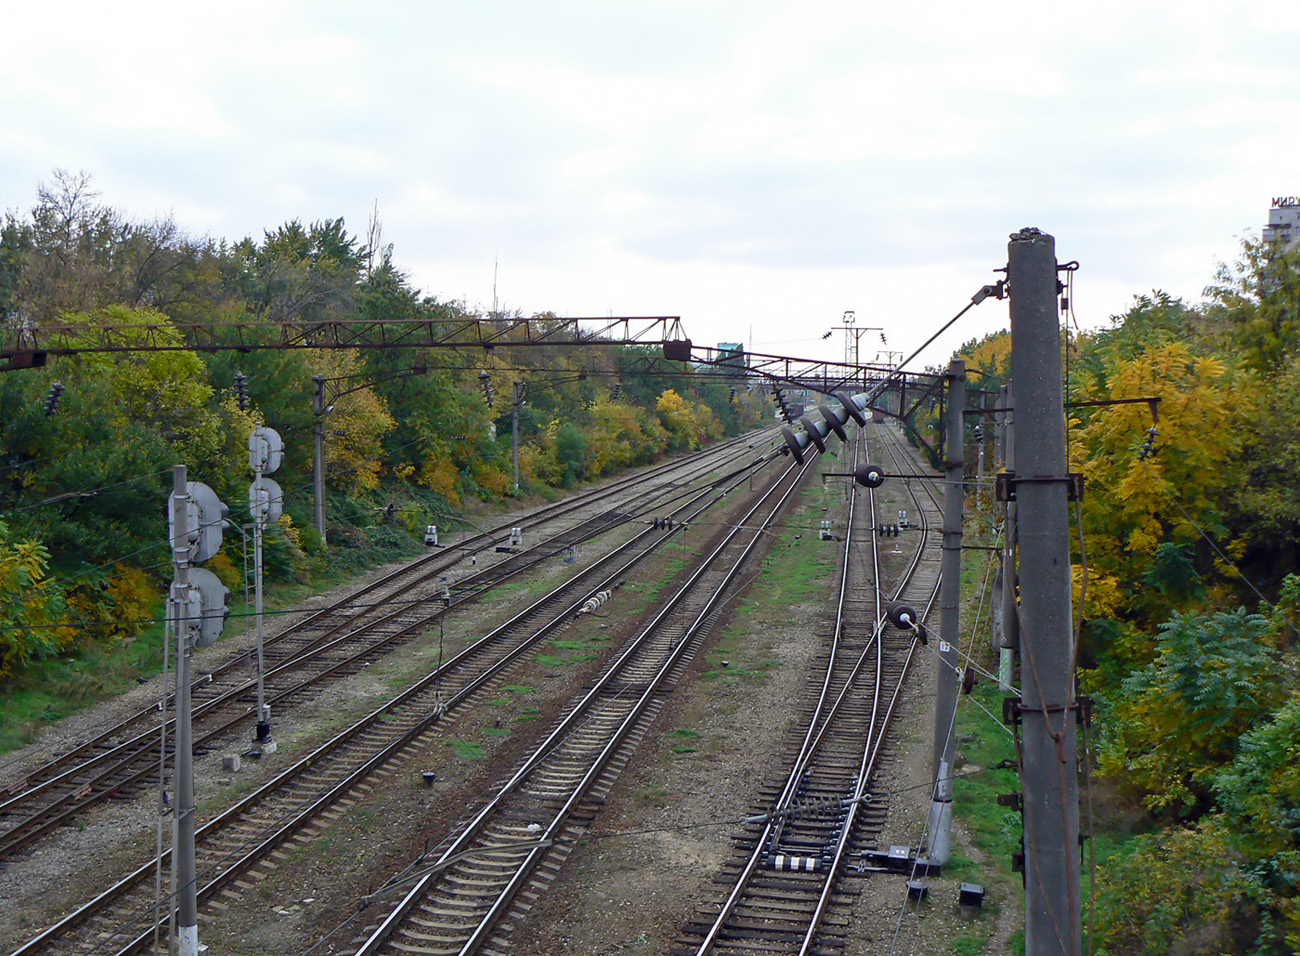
[(755, 167)]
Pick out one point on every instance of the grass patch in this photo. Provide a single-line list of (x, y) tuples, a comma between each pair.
[(517, 689), (467, 749), (683, 749), (652, 796), (549, 660), (684, 732), (568, 645), (48, 690), (970, 944), (362, 817), (499, 702), (497, 731), (984, 743)]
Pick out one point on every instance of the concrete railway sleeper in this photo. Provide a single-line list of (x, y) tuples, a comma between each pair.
[(291, 806), (471, 889), (336, 643), (786, 879)]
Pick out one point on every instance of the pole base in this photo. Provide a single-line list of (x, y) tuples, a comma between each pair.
[(262, 742)]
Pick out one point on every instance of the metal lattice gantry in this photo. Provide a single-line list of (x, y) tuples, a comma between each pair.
[(27, 346)]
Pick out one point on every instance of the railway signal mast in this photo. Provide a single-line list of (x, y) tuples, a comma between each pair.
[(265, 504), (198, 612)]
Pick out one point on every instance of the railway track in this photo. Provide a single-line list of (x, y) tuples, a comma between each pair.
[(467, 894), (815, 822), (325, 646), (295, 805)]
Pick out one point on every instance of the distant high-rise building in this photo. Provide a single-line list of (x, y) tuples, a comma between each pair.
[(1283, 221)]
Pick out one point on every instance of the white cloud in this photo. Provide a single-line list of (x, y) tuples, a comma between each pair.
[(738, 163)]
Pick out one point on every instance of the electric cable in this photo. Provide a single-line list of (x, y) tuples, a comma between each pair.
[(283, 611), (1162, 485), (15, 466), (88, 493)]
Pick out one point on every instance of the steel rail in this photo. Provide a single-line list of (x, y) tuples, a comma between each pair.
[(819, 725), (111, 768), (577, 715), (440, 563), (875, 736), (635, 550)]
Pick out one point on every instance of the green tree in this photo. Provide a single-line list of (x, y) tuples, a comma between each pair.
[(29, 602), (1260, 796), (1177, 721), (1256, 300), (1174, 891)]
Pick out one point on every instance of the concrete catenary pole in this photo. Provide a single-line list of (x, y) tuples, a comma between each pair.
[(318, 457), (516, 396), (1048, 707), (187, 923), (948, 680), (1010, 637)]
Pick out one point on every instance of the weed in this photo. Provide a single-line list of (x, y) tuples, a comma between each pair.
[(362, 817), (684, 732), (971, 944), (653, 795), (497, 731), (467, 749), (517, 689), (546, 660)]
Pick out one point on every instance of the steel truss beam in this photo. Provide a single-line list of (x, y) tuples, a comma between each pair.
[(28, 347)]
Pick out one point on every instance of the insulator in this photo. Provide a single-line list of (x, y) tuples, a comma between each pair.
[(52, 400), (781, 404), (241, 391), (595, 601)]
